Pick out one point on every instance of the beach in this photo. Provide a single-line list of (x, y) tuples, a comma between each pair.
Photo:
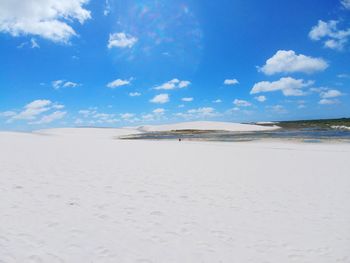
[(83, 195)]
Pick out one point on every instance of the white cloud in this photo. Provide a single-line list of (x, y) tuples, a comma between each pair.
[(134, 94), (327, 96), (148, 117), (289, 62), (32, 110), (45, 18), (318, 89), (289, 86), (231, 82), (260, 98), (173, 84), (102, 115), (92, 117), (187, 99), (118, 83), (127, 116), (332, 93), (121, 40), (107, 9), (78, 121), (87, 113), (204, 112), (328, 102), (184, 84), (346, 3), (217, 101), (33, 43), (70, 84), (38, 104), (328, 32), (58, 84), (161, 98), (277, 108), (58, 106), (241, 103), (344, 76), (57, 115), (159, 111), (7, 114)]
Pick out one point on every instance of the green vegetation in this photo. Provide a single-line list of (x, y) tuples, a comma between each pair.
[(312, 124)]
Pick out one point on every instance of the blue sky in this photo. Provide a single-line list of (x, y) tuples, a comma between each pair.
[(122, 63)]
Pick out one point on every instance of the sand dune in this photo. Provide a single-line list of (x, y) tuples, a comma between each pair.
[(78, 195), (207, 125)]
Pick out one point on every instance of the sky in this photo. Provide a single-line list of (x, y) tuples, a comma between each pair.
[(113, 63)]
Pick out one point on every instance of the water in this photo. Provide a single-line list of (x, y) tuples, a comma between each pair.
[(309, 135)]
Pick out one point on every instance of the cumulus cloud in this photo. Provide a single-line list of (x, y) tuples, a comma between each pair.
[(173, 84), (161, 98), (329, 33), (260, 98), (147, 117), (332, 93), (343, 76), (184, 84), (231, 82), (48, 19), (7, 114), (289, 62), (58, 106), (187, 99), (288, 86), (157, 114), (241, 103), (346, 4), (87, 113), (217, 101), (91, 116), (57, 115), (107, 8), (34, 43), (58, 84), (127, 116), (70, 84), (277, 109), (159, 111), (134, 94), (32, 110), (328, 101), (204, 112), (328, 96), (121, 40), (118, 83)]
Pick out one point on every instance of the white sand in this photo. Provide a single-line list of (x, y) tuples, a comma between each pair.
[(207, 125), (77, 195)]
